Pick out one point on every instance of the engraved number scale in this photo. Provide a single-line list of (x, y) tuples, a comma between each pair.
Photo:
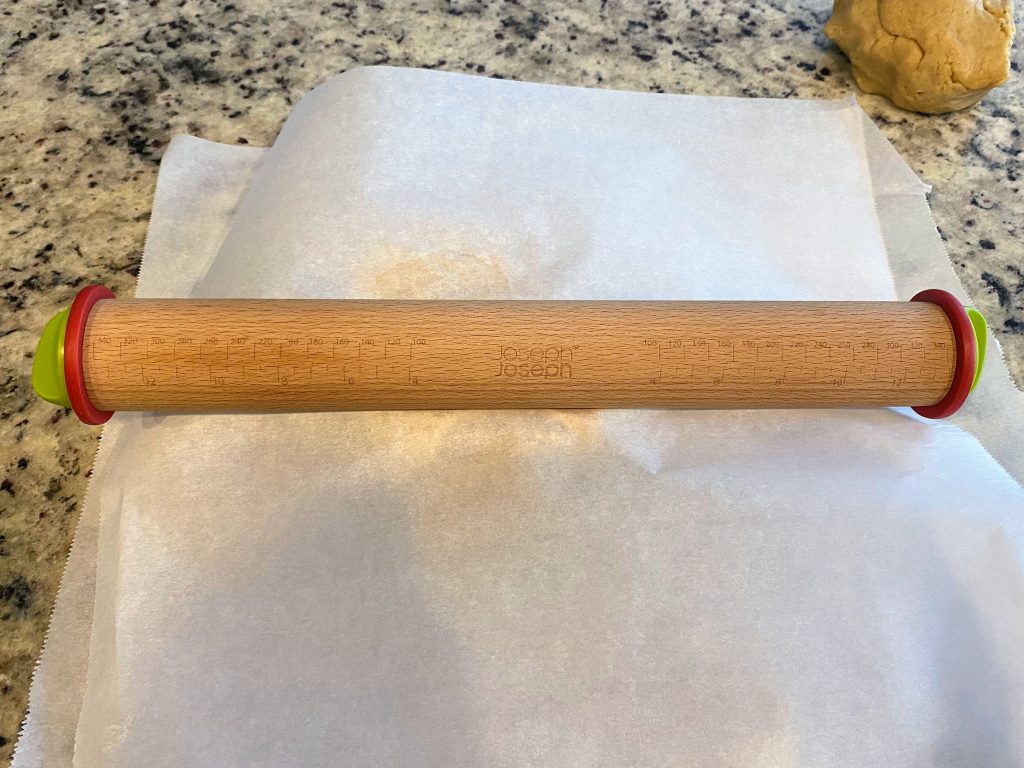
[(274, 355)]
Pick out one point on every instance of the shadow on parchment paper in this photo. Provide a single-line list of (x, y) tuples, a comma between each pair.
[(444, 587), (282, 618), (979, 706)]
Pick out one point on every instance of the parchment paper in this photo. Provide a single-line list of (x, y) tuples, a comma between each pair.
[(780, 588)]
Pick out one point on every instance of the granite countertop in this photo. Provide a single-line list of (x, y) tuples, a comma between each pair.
[(93, 91)]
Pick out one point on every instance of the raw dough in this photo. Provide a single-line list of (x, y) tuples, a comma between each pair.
[(925, 55)]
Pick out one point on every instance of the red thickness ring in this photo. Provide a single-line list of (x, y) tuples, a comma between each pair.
[(966, 354), (74, 343)]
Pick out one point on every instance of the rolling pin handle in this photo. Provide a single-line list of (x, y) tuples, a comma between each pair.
[(969, 328), (57, 373)]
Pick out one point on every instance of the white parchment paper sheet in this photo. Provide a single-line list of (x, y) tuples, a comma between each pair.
[(558, 588)]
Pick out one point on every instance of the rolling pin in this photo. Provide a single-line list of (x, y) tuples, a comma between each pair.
[(238, 355)]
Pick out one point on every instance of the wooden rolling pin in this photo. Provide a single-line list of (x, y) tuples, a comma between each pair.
[(190, 355)]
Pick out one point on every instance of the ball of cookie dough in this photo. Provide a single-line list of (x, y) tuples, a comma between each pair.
[(925, 55)]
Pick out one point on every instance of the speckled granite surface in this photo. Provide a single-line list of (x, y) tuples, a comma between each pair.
[(90, 93)]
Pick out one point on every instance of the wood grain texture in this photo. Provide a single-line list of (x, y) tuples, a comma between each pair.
[(286, 355)]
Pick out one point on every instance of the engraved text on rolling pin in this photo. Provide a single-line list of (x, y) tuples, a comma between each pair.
[(813, 363)]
